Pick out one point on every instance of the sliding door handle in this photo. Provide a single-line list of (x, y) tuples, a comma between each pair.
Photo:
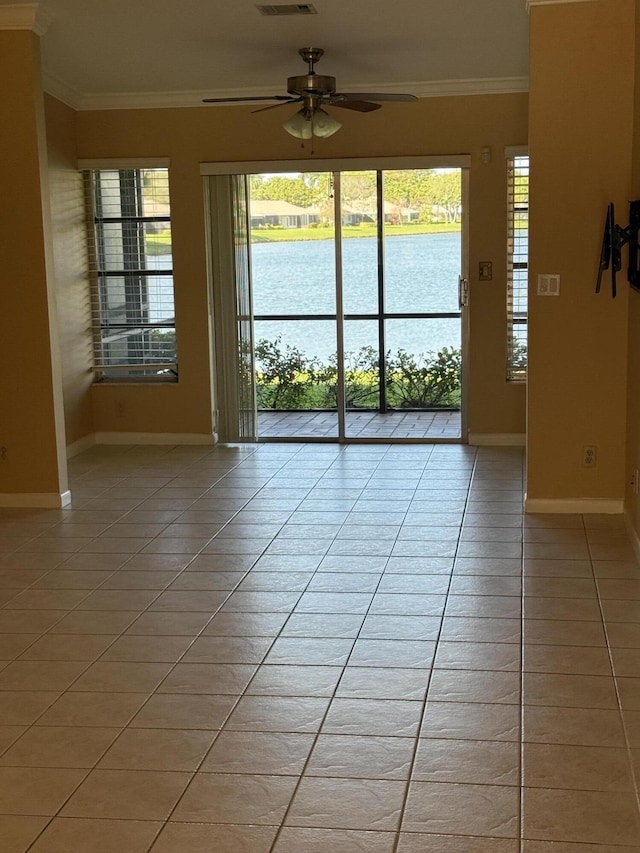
[(463, 292)]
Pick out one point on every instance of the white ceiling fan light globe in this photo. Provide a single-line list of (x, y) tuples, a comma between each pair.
[(324, 125), (300, 124)]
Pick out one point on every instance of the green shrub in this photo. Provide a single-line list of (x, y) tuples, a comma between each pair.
[(361, 380), (424, 381), (286, 378), (282, 375), (517, 352)]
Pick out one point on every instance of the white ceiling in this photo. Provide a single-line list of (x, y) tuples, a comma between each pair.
[(105, 53)]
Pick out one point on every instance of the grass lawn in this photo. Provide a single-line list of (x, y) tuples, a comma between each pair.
[(159, 244), (285, 235)]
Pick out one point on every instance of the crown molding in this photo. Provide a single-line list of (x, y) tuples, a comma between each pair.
[(87, 163), (531, 3), (69, 96), (25, 16), (472, 86), (159, 100)]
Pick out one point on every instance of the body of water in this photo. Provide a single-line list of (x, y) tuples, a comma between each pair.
[(298, 277)]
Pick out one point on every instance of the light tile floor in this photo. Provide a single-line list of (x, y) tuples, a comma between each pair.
[(304, 648)]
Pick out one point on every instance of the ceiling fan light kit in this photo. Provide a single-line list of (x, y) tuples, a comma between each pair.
[(323, 124), (314, 91), (307, 123)]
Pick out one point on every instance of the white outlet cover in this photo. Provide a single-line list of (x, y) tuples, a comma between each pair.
[(548, 284)]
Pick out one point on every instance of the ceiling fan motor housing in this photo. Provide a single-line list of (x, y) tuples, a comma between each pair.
[(311, 84)]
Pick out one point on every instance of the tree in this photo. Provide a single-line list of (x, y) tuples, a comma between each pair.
[(407, 189), (437, 194), (301, 190), (358, 192), (445, 191)]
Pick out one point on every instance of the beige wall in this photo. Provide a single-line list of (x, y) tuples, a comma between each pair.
[(190, 136), (584, 373), (70, 257), (580, 139), (495, 406), (31, 423), (633, 378)]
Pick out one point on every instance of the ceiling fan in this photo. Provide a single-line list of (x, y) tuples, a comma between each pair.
[(314, 91)]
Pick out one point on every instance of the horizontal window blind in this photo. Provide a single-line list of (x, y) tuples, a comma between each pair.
[(517, 266), (132, 274)]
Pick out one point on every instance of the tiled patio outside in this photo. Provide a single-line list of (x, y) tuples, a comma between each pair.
[(289, 648), (391, 425)]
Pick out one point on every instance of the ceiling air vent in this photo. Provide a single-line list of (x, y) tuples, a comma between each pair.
[(289, 9)]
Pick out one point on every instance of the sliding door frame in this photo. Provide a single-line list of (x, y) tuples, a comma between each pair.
[(231, 310), (222, 272)]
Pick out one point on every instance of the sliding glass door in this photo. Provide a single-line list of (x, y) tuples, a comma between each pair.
[(294, 293), (354, 284)]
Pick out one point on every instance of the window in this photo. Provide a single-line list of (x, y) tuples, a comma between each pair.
[(132, 274), (517, 265)]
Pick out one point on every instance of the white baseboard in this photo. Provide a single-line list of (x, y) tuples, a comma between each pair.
[(35, 500), (80, 445), (89, 441), (153, 438), (497, 439), (576, 506)]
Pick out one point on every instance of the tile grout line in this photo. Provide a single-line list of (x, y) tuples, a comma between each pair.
[(634, 773)]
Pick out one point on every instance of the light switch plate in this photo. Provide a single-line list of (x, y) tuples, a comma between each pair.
[(485, 270), (548, 285)]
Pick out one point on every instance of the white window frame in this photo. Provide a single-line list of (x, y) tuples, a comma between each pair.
[(141, 363)]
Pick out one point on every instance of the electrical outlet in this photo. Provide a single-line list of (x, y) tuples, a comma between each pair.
[(4, 453), (589, 456)]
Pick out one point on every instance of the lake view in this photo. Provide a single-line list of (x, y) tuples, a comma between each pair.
[(298, 277)]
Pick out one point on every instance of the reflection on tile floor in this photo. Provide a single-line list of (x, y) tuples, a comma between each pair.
[(301, 648), (391, 425)]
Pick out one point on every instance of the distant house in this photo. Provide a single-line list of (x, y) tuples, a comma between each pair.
[(365, 211), (280, 214)]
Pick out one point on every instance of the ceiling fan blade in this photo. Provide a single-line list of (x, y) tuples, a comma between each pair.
[(247, 99), (359, 106), (314, 91), (372, 96), (273, 106)]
